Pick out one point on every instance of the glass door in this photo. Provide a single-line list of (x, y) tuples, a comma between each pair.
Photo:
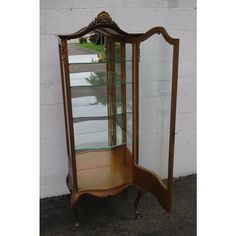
[(155, 60)]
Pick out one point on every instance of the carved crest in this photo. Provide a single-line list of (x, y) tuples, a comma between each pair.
[(102, 18)]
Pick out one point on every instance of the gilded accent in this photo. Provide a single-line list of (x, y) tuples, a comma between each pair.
[(138, 45), (63, 52), (102, 18)]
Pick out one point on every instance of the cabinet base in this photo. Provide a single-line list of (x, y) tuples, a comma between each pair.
[(105, 193)]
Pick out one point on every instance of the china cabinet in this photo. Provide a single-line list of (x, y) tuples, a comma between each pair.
[(119, 91)]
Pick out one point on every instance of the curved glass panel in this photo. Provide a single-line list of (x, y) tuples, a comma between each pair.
[(155, 80)]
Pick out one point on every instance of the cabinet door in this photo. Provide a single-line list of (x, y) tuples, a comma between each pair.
[(155, 61)]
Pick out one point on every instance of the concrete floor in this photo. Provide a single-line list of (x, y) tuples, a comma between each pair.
[(114, 215)]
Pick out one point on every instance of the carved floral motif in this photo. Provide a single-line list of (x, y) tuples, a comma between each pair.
[(63, 52), (102, 18)]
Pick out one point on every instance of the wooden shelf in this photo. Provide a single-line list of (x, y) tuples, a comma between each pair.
[(101, 170)]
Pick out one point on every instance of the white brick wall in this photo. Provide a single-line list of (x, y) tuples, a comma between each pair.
[(59, 17)]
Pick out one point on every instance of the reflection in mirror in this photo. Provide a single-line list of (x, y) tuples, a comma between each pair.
[(97, 92), (155, 75), (87, 49)]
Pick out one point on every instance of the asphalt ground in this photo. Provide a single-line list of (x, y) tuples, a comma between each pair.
[(115, 215)]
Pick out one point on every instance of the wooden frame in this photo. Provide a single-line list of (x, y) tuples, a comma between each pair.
[(162, 192), (138, 176)]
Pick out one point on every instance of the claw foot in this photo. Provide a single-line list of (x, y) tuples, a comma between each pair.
[(137, 216), (76, 226)]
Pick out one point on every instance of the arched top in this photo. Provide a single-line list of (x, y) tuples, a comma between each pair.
[(102, 24), (156, 30)]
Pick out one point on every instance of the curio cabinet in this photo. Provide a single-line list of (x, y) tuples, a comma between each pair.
[(119, 91)]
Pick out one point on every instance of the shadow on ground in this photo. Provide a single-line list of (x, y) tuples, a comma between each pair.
[(114, 215)]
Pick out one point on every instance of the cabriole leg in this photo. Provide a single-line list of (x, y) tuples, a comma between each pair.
[(137, 215), (77, 224)]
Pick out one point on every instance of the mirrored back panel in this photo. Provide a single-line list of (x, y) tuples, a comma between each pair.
[(100, 92)]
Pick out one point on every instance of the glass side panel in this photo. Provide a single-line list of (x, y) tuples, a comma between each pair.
[(118, 88), (155, 76), (97, 91), (128, 67)]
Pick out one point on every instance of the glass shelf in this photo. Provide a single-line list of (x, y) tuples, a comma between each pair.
[(97, 68), (94, 126), (92, 101), (91, 79), (89, 59), (90, 107), (90, 118), (85, 59), (96, 146), (94, 135)]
